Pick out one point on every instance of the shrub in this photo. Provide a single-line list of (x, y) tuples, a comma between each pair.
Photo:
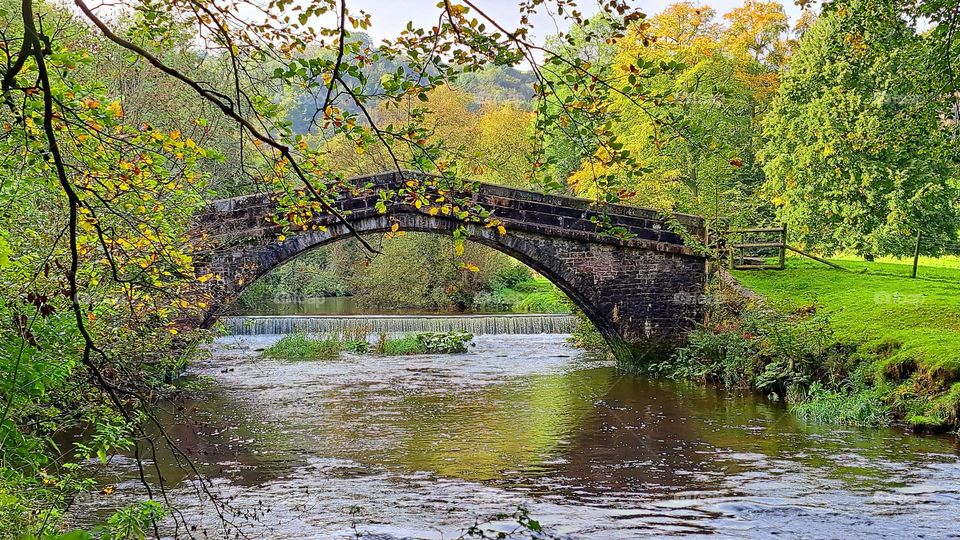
[(509, 277), (551, 301), (586, 336), (423, 343), (444, 342), (355, 340)]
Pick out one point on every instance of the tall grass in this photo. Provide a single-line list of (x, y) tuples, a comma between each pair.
[(300, 346)]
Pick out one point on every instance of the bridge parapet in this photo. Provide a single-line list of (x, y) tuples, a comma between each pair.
[(516, 208)]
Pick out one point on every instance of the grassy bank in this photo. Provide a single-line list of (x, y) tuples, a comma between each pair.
[(904, 333), (519, 291)]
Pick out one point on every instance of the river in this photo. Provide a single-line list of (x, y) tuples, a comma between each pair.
[(424, 446)]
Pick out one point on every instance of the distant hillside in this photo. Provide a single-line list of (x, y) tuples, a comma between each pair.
[(492, 85), (499, 85)]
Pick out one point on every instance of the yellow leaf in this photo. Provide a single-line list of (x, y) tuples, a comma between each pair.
[(501, 229), (432, 210), (281, 238), (395, 227)]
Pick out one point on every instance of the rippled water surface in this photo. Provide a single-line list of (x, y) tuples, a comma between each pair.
[(422, 447)]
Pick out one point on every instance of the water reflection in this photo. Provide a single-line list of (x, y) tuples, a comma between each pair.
[(422, 446)]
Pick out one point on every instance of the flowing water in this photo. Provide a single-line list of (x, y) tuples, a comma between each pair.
[(504, 323), (423, 446)]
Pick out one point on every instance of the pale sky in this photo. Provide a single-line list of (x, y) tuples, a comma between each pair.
[(389, 17)]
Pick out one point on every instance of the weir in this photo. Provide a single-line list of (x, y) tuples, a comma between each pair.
[(375, 324)]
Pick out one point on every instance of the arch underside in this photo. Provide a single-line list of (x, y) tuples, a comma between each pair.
[(630, 293)]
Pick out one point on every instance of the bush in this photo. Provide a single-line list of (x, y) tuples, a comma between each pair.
[(551, 301), (444, 342), (300, 346), (790, 357), (423, 343), (509, 277)]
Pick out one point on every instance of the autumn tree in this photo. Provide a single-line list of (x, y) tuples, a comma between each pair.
[(857, 156)]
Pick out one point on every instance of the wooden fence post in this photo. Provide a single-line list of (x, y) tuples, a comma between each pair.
[(916, 255)]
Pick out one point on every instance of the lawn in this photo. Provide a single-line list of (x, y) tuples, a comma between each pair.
[(913, 323)]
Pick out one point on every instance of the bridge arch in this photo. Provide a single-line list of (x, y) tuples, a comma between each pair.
[(640, 293)]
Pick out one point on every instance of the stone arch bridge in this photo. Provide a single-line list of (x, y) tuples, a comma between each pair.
[(642, 293)]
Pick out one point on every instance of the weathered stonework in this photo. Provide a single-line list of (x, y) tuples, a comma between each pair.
[(636, 291)]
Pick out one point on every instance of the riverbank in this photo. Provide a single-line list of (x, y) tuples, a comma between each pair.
[(903, 334)]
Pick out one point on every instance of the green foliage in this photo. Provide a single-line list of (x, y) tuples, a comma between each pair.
[(905, 329), (299, 346), (444, 342), (862, 408), (856, 155), (399, 346), (511, 276), (518, 291), (586, 336), (423, 343), (543, 302), (421, 271), (132, 522), (762, 350), (312, 275)]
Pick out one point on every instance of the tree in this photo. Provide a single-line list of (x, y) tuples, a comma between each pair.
[(856, 154), (694, 139)]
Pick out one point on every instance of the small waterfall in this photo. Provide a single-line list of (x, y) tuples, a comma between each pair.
[(374, 324)]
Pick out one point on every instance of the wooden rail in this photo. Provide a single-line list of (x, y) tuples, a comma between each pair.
[(751, 248)]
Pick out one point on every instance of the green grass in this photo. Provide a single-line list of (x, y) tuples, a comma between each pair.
[(303, 347), (912, 325), (536, 295), (399, 346), (861, 408)]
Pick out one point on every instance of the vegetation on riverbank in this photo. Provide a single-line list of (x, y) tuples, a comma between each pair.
[(865, 347), (907, 331), (301, 346)]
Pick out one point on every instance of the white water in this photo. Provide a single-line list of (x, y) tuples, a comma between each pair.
[(475, 324)]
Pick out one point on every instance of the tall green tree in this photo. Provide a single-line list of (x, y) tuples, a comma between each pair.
[(857, 155)]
